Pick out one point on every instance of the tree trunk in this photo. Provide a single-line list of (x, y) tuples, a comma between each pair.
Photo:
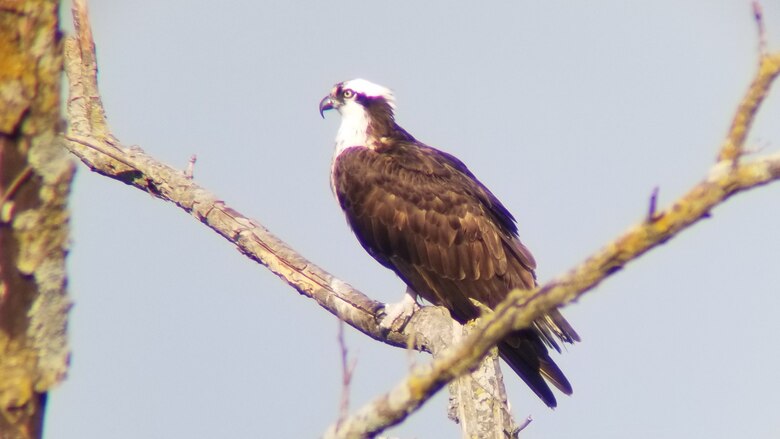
[(35, 179)]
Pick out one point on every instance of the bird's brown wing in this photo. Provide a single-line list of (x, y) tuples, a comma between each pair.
[(421, 213)]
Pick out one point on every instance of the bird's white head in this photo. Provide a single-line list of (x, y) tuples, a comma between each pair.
[(345, 96), (360, 103)]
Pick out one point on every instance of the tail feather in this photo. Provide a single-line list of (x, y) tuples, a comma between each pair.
[(527, 367), (553, 327), (526, 353), (554, 375)]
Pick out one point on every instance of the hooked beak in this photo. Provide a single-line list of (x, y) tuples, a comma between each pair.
[(326, 104)]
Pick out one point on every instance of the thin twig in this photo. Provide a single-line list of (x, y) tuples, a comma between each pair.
[(758, 16), (347, 368), (189, 172), (115, 152), (16, 184), (651, 209), (733, 146), (526, 422)]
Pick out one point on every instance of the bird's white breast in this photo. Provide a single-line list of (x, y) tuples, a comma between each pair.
[(353, 131)]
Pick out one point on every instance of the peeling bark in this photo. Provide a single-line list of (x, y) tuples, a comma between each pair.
[(35, 180)]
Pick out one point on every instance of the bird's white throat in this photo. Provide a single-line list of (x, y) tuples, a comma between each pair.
[(353, 130)]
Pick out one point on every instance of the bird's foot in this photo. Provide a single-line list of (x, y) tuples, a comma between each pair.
[(397, 315)]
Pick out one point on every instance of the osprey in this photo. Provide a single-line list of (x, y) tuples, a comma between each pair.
[(421, 213)]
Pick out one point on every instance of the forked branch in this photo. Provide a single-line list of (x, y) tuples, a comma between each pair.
[(727, 177)]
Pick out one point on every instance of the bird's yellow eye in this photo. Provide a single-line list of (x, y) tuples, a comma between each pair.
[(348, 94)]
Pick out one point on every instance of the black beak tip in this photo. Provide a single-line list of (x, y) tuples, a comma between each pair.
[(325, 105)]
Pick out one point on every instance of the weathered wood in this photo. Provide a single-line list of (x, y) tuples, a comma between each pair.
[(35, 180)]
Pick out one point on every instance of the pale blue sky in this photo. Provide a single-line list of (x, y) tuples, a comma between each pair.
[(571, 112)]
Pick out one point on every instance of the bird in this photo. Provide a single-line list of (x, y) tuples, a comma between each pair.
[(420, 212)]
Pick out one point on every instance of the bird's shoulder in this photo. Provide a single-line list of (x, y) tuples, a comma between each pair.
[(406, 168)]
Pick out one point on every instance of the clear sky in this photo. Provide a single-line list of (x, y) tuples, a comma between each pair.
[(571, 112)]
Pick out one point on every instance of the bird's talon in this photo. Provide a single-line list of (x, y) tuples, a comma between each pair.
[(394, 316)]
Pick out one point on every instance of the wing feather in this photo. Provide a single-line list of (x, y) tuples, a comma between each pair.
[(396, 241), (463, 259), (476, 260), (421, 213), (421, 251), (434, 257), (416, 218)]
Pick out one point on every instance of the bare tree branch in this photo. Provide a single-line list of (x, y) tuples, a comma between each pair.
[(734, 145), (475, 396), (726, 178), (90, 139), (758, 16), (347, 369)]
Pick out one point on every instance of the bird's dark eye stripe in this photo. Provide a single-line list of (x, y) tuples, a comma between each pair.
[(363, 100)]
